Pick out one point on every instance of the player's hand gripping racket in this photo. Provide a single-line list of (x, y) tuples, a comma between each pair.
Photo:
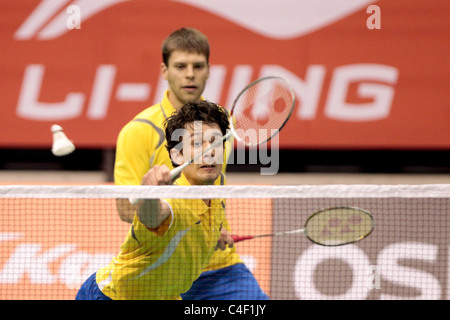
[(330, 227), (258, 113)]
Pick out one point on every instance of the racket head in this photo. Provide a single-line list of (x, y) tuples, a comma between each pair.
[(261, 110), (339, 226)]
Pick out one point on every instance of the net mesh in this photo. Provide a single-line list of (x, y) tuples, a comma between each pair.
[(53, 238)]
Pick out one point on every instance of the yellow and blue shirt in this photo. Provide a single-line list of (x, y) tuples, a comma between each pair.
[(162, 263), (141, 144)]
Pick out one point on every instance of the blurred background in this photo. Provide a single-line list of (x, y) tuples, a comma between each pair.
[(371, 80)]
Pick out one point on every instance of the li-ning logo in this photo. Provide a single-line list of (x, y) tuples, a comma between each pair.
[(293, 18), (49, 19)]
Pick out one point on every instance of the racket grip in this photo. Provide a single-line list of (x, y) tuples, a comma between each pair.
[(175, 173), (237, 238)]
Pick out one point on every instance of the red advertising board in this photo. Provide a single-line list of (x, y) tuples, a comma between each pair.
[(367, 74)]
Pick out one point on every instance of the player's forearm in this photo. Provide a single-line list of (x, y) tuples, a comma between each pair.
[(126, 210), (152, 213)]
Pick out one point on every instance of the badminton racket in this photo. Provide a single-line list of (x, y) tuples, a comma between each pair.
[(258, 113), (330, 227)]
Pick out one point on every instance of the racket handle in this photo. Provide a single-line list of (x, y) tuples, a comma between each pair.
[(174, 173), (237, 238)]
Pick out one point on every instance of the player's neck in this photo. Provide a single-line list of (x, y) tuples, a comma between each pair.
[(175, 102)]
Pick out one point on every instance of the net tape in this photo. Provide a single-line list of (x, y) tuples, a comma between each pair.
[(230, 191)]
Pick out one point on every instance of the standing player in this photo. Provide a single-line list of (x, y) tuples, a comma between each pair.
[(170, 241), (141, 146)]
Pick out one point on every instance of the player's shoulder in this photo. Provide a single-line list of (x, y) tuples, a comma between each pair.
[(150, 113), (152, 116)]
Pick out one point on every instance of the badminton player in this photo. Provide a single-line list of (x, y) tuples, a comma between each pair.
[(141, 146), (170, 241)]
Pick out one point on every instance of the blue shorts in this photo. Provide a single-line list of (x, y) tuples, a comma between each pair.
[(90, 291), (235, 282)]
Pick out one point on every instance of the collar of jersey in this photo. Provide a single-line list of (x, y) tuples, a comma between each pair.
[(196, 205), (166, 106)]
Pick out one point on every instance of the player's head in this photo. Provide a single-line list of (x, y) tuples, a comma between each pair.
[(191, 130), (185, 39), (185, 65)]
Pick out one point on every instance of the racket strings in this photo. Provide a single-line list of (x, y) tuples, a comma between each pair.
[(262, 110), (337, 226)]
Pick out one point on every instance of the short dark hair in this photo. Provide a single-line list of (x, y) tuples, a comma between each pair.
[(185, 39), (207, 112)]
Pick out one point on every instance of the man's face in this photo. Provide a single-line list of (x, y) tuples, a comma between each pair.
[(207, 168), (186, 73)]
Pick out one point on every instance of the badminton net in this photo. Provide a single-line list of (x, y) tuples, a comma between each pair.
[(52, 238)]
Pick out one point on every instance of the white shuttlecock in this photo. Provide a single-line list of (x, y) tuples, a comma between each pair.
[(134, 201), (61, 144)]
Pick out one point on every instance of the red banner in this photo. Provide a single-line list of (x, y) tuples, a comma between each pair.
[(367, 74)]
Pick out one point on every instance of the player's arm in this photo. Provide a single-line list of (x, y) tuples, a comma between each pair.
[(125, 209), (153, 212), (131, 163)]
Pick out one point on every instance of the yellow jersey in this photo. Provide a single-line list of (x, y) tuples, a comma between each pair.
[(141, 144), (162, 263)]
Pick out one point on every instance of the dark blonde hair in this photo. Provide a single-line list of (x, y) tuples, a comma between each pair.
[(185, 39)]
